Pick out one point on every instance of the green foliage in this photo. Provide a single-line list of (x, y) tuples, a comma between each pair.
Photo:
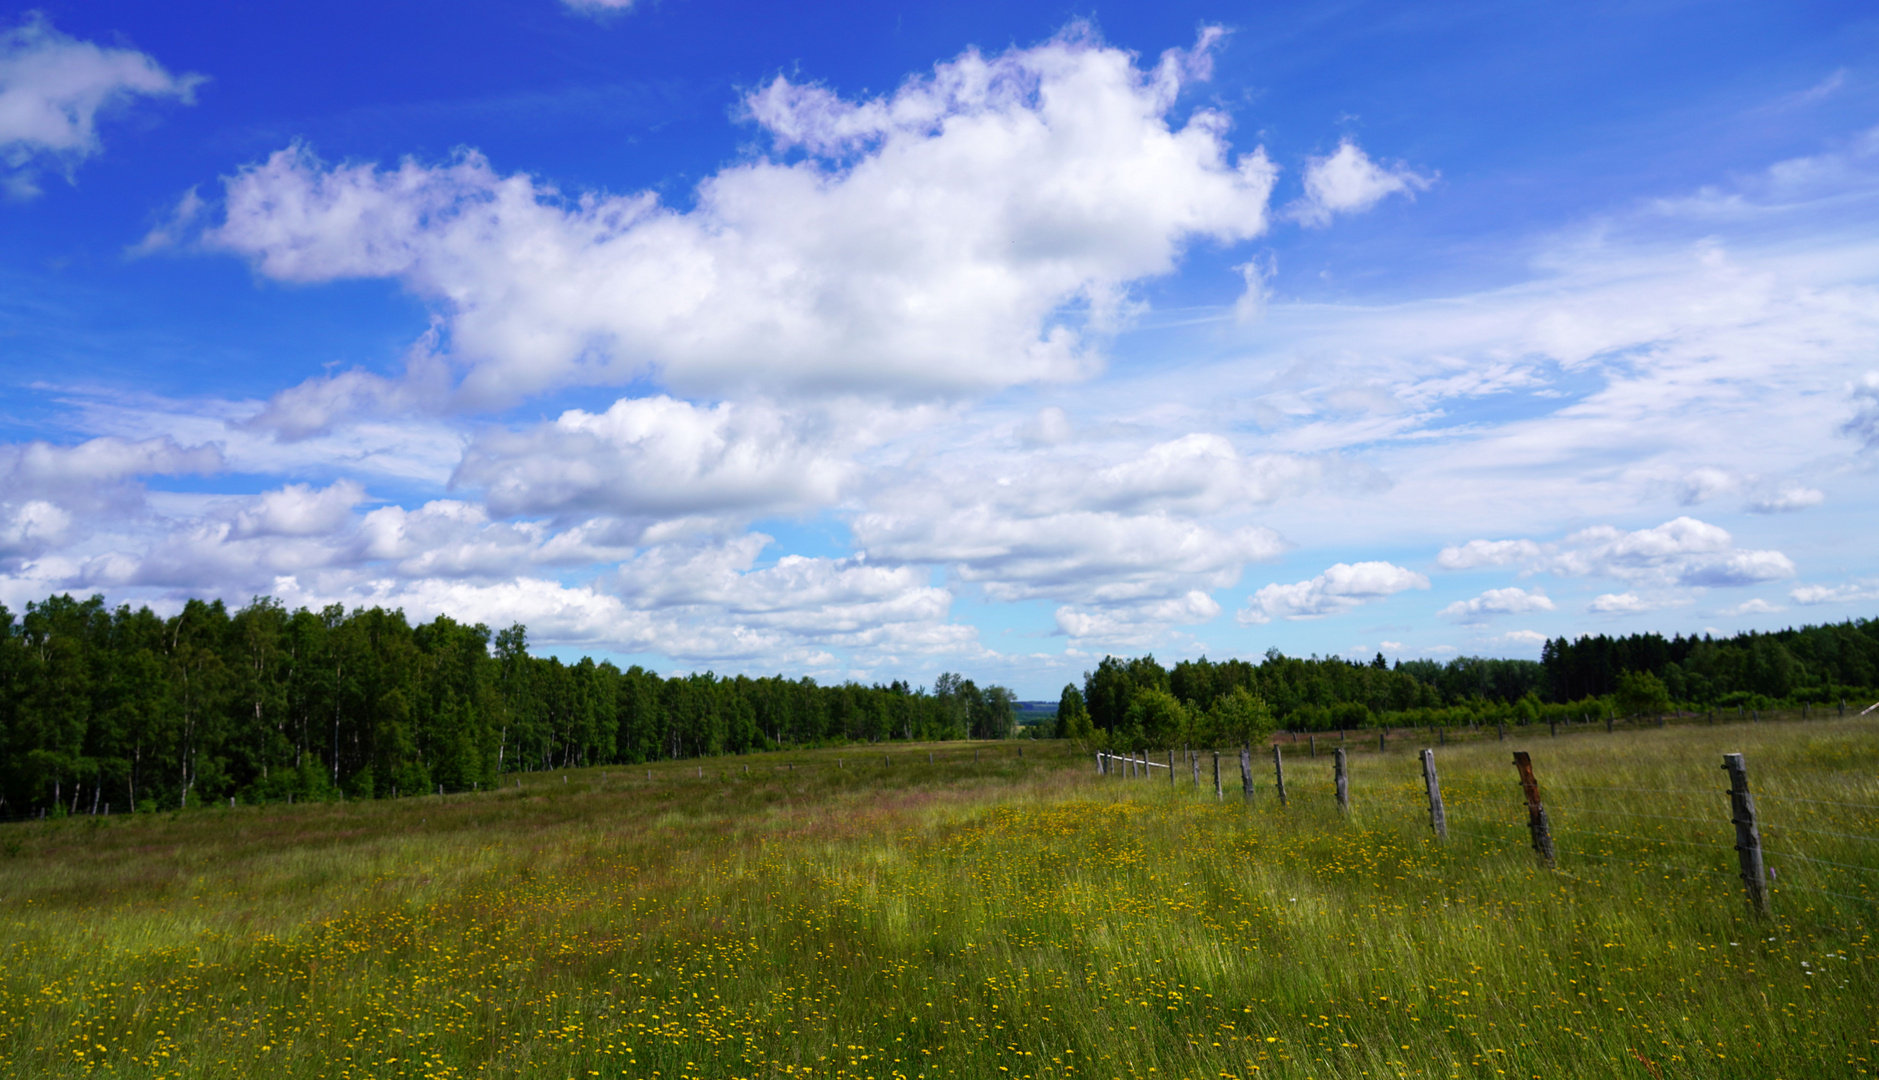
[(1640, 692), (103, 708), (1239, 717), (1073, 720), (1155, 719)]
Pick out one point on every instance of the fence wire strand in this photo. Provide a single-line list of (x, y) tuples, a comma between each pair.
[(1627, 813), (1823, 862), (1773, 827)]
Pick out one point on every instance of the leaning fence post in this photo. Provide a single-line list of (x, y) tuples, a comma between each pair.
[(1278, 773), (1246, 772), (1748, 838), (1343, 784), (1438, 818), (1099, 761), (1217, 793), (1536, 811)]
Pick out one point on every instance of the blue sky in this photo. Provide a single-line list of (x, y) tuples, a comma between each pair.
[(871, 341)]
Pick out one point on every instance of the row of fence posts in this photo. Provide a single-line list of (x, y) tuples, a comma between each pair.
[(1748, 841)]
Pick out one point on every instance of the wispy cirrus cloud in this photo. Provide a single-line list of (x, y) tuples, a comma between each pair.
[(54, 87)]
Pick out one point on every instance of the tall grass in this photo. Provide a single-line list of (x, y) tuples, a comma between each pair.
[(1004, 918)]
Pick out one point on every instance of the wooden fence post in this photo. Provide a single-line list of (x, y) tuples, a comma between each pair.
[(1193, 761), (1171, 768), (1343, 784), (1552, 728), (1748, 838), (1246, 772), (1099, 761), (1500, 731), (1382, 739), (1438, 818), (1278, 773), (1441, 736), (1217, 793), (1314, 746), (1536, 811), (1608, 723)]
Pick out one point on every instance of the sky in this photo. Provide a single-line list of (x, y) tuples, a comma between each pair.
[(875, 340)]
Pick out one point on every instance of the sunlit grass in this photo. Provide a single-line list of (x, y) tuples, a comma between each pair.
[(1003, 918)]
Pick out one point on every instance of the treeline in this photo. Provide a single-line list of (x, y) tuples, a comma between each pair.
[(1298, 694), (1815, 664), (1586, 678), (123, 707)]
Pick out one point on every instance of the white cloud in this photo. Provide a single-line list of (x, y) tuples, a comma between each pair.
[(978, 228), (1135, 624), (1348, 182), (52, 89), (1628, 603), (31, 527), (50, 470), (1508, 601), (599, 7), (1522, 637), (1339, 589), (662, 458), (1853, 591), (1680, 552), (1864, 423), (299, 510), (1701, 484), (1477, 553), (1127, 540), (1756, 606), (1786, 498), (51, 495)]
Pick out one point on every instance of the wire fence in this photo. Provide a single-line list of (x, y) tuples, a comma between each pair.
[(1805, 844)]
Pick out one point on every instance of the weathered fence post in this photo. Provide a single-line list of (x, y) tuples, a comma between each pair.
[(1382, 739), (1343, 784), (1193, 761), (1314, 746), (1536, 811), (1748, 838), (1552, 728), (1246, 772), (1099, 761), (1608, 723), (929, 761), (1278, 773), (1217, 793), (1438, 818), (1171, 768), (1500, 731), (1441, 736)]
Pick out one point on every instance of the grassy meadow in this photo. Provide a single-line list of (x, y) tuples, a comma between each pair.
[(829, 914)]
